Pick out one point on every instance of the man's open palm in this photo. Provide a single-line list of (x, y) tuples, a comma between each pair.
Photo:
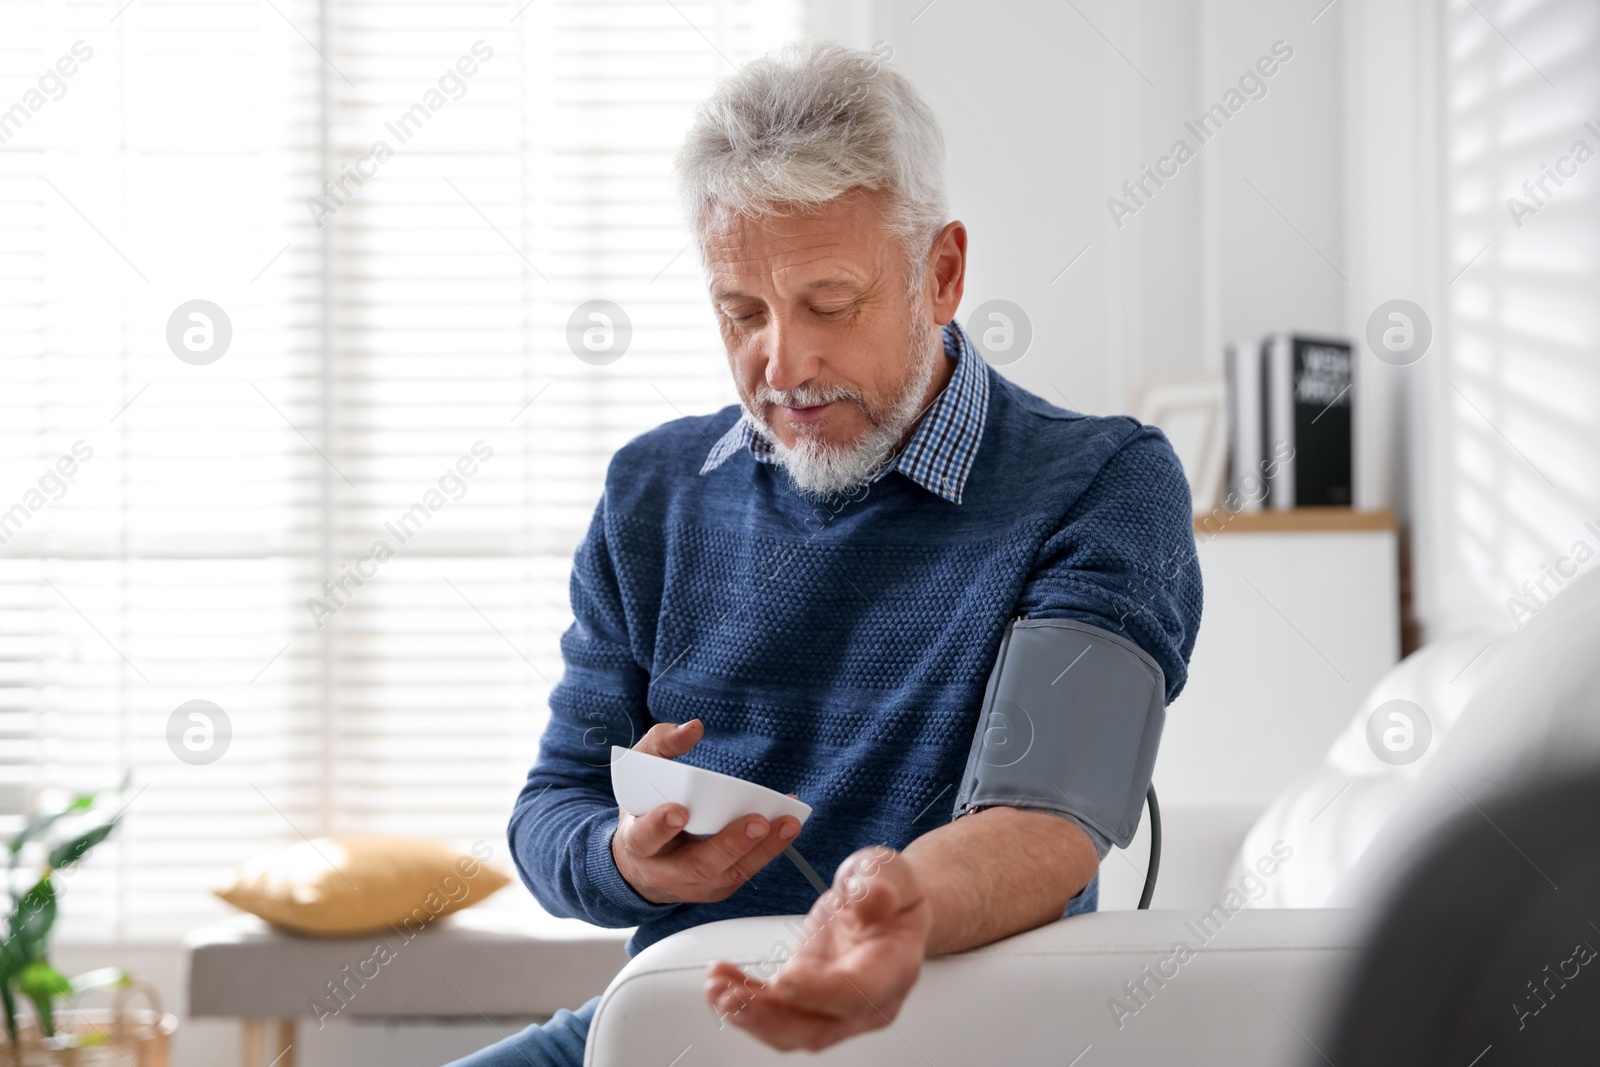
[(857, 959)]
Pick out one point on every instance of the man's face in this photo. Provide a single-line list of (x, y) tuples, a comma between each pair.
[(825, 347)]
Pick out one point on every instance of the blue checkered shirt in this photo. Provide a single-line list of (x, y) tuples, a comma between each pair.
[(940, 453)]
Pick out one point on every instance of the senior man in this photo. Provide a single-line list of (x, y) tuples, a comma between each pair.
[(810, 590)]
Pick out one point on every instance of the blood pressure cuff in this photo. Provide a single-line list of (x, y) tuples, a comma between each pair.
[(1070, 722)]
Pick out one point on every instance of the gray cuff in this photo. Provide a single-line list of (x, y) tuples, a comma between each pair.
[(1070, 723)]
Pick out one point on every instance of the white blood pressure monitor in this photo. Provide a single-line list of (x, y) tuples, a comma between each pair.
[(641, 782)]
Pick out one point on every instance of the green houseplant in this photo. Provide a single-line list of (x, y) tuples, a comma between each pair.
[(26, 973)]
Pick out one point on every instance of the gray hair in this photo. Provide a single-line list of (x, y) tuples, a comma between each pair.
[(807, 124)]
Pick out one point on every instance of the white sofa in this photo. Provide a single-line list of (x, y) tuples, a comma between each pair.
[(1250, 995), (1245, 997), (1504, 708)]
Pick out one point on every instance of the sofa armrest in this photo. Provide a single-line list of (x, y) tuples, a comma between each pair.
[(1250, 989)]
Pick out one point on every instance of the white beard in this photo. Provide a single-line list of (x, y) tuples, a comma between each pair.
[(820, 468)]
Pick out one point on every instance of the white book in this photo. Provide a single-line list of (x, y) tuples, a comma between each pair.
[(1277, 360), (1246, 474)]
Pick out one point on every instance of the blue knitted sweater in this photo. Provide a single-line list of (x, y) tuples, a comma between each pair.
[(835, 651)]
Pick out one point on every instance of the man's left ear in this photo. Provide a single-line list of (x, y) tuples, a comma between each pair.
[(947, 273)]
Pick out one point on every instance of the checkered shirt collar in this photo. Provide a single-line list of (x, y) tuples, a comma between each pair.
[(941, 452)]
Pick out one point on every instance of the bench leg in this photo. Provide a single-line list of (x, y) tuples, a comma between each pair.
[(285, 1051), (255, 1050), (254, 1033)]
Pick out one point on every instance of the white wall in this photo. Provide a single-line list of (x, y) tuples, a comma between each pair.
[(1047, 112), (1027, 102), (1391, 233)]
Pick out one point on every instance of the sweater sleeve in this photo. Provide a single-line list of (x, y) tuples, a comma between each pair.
[(561, 826), (1123, 558)]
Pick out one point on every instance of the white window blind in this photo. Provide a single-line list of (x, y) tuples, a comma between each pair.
[(1518, 452), (407, 321)]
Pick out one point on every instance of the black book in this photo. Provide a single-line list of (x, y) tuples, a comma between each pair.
[(1307, 404)]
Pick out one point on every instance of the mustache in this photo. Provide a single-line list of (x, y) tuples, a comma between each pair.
[(804, 396)]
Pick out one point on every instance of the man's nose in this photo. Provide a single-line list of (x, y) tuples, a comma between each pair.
[(791, 360)]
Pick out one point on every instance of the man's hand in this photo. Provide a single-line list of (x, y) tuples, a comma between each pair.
[(860, 953), (667, 866)]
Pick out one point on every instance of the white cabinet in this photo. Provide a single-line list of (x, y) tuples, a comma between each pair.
[(1301, 617)]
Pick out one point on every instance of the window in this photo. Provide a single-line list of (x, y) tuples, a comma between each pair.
[(396, 372), (1517, 450)]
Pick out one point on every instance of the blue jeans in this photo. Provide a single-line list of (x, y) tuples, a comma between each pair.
[(1087, 900), (557, 1043)]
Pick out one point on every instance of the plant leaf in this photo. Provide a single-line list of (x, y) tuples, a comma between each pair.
[(69, 852), (70, 1040), (11, 1020), (30, 922), (11, 959), (42, 983), (38, 824), (103, 978), (39, 979), (44, 1006)]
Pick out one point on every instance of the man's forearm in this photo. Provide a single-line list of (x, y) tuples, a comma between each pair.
[(560, 837), (998, 872)]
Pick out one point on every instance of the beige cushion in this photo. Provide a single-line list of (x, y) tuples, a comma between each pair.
[(340, 886)]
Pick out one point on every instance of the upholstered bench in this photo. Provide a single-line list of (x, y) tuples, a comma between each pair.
[(477, 964)]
